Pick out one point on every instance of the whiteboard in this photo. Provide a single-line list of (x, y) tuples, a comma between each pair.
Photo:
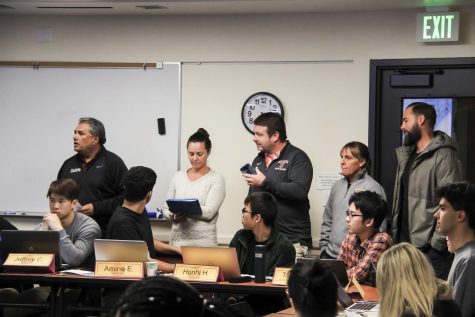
[(39, 109)]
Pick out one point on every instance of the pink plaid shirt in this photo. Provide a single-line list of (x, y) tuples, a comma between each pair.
[(361, 258)]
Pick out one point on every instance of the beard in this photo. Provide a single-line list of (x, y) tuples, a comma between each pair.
[(412, 136)]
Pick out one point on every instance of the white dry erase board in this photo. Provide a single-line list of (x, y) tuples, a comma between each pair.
[(40, 107)]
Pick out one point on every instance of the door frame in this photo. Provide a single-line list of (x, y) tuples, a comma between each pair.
[(377, 66)]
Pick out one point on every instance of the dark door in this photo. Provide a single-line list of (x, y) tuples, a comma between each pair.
[(392, 82)]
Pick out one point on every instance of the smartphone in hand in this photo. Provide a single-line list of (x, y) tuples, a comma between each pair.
[(248, 169)]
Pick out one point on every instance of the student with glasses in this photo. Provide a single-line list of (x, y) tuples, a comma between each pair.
[(364, 243), (258, 218)]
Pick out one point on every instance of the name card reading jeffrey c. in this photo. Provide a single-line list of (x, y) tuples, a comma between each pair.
[(27, 259), (281, 275), (119, 269), (30, 263), (200, 273)]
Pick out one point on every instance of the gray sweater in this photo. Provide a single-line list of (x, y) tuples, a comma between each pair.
[(462, 278), (77, 240), (334, 217)]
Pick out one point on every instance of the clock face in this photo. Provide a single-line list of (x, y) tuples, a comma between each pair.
[(258, 104)]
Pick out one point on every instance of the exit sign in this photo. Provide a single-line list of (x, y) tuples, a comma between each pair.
[(438, 27)]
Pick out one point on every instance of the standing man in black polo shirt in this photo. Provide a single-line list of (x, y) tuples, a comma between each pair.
[(286, 172), (98, 172)]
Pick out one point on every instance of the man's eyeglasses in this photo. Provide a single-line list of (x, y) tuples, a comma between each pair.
[(244, 211), (349, 214)]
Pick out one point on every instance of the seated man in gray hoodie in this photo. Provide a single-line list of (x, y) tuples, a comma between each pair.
[(77, 233), (76, 230)]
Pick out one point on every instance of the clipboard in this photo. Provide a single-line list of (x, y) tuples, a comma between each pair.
[(189, 206)]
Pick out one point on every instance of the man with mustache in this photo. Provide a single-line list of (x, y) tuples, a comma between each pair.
[(98, 172), (427, 160)]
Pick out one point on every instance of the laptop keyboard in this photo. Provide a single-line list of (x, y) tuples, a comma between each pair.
[(362, 306)]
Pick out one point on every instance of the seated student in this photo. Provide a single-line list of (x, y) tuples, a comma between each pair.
[(409, 288), (456, 220), (130, 221), (76, 230), (77, 233), (166, 296), (313, 290), (258, 216), (364, 244)]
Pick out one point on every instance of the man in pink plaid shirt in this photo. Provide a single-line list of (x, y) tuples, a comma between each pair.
[(364, 244)]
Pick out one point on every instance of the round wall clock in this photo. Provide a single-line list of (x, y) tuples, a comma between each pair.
[(258, 104)]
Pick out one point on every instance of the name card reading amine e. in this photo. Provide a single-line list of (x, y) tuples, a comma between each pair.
[(281, 275), (26, 259), (119, 269), (200, 273)]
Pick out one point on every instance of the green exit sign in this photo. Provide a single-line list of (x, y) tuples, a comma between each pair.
[(438, 27)]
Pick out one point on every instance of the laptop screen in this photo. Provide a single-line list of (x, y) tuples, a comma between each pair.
[(26, 241), (121, 250), (225, 258)]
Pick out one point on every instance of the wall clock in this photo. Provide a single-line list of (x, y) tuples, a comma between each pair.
[(257, 104)]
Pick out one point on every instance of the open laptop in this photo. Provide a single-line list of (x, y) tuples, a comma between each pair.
[(26, 241), (336, 266), (121, 250), (225, 258), (352, 308)]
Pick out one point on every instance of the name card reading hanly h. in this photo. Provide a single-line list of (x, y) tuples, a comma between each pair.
[(119, 269), (200, 273), (27, 262), (281, 275)]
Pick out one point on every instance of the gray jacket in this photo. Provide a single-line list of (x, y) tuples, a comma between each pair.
[(437, 165), (334, 217)]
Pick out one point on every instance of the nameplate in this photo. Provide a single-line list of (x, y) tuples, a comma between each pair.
[(200, 273), (281, 275), (119, 269), (30, 263)]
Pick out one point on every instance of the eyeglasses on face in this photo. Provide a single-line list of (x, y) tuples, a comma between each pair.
[(350, 214), (244, 211)]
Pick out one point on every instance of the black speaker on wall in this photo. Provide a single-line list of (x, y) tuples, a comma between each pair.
[(161, 126), (411, 80)]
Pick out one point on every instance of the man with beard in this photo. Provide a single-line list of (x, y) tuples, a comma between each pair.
[(427, 160)]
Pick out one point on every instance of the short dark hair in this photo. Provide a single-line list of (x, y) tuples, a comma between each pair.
[(96, 128), (274, 123), (264, 204), (64, 187), (360, 151), (425, 109), (200, 136), (461, 196), (371, 205), (138, 181), (166, 296), (313, 289)]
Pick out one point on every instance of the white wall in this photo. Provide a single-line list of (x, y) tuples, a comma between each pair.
[(326, 104)]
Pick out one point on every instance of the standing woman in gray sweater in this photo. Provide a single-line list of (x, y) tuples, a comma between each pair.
[(355, 165), (203, 183)]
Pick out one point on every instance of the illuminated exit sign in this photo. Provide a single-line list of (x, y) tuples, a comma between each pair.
[(438, 27)]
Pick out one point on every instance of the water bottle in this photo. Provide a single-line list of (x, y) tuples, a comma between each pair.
[(260, 264)]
